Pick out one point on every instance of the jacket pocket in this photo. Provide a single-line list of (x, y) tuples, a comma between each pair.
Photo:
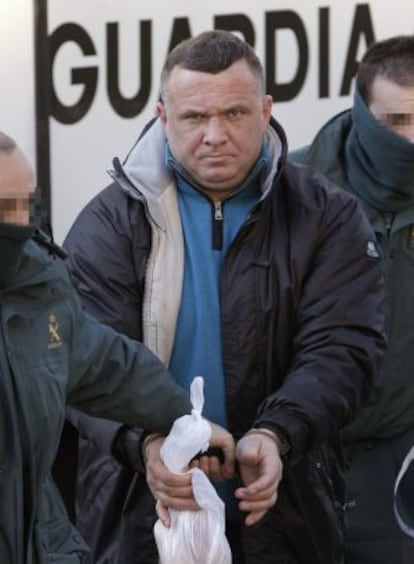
[(57, 539), (328, 483)]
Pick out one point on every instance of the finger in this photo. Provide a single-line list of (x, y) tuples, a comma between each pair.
[(211, 466), (244, 493), (258, 505), (224, 440), (254, 517), (176, 498), (229, 457), (163, 514), (179, 504), (160, 490), (158, 473), (215, 469), (195, 463), (258, 487), (204, 464)]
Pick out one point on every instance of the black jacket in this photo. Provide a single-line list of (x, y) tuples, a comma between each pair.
[(302, 323), (389, 411), (383, 431)]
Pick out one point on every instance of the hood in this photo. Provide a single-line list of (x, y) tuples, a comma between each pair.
[(36, 267)]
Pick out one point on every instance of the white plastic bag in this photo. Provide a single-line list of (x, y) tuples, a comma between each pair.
[(194, 537)]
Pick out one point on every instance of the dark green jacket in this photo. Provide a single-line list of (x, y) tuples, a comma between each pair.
[(52, 353), (390, 411)]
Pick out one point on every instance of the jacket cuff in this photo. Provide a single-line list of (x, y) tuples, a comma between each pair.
[(126, 448), (292, 430)]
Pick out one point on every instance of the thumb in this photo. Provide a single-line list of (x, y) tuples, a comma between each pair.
[(247, 450), (224, 440)]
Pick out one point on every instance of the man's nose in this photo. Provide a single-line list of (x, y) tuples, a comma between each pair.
[(215, 131)]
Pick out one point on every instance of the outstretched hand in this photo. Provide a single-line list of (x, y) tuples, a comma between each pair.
[(261, 471)]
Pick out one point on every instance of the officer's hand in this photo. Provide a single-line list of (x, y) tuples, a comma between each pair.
[(217, 467)]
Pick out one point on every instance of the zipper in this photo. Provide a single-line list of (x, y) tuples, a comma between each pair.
[(388, 217), (388, 221), (217, 225)]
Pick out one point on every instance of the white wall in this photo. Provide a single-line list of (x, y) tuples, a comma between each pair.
[(17, 73)]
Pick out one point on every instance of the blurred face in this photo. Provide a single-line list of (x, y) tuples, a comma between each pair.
[(215, 124), (16, 188), (394, 106)]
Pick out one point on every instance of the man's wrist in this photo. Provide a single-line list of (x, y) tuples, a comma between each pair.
[(278, 437), (148, 439)]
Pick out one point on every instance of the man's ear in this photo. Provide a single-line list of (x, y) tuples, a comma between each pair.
[(267, 107), (161, 113)]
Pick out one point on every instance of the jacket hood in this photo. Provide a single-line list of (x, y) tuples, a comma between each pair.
[(326, 150), (327, 154), (35, 267)]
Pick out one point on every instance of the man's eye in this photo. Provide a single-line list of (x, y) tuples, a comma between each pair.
[(234, 113), (194, 118)]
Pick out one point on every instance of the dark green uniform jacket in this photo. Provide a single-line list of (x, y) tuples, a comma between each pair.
[(384, 430), (51, 353)]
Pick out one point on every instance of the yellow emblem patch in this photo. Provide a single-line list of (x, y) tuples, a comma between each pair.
[(54, 338)]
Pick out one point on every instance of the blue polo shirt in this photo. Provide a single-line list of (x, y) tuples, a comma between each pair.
[(209, 229)]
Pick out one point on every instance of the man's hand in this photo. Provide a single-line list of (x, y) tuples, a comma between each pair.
[(261, 471), (215, 468), (175, 491), (170, 490)]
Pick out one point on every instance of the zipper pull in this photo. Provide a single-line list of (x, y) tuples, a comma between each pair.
[(218, 226), (218, 212)]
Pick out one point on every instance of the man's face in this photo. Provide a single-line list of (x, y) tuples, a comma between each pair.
[(215, 124), (394, 106), (16, 188)]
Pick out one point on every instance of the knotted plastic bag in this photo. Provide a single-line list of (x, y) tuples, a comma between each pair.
[(194, 537)]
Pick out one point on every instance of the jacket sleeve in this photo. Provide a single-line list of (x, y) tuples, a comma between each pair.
[(101, 244), (101, 247), (115, 377), (339, 338)]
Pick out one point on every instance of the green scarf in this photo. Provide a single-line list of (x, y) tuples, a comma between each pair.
[(380, 163), (12, 240)]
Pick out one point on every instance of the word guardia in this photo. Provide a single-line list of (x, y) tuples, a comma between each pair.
[(275, 22)]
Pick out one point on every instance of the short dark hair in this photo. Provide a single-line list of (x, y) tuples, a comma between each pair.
[(7, 144), (392, 59), (211, 52)]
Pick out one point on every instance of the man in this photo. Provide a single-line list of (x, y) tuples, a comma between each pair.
[(369, 151), (254, 273), (52, 352)]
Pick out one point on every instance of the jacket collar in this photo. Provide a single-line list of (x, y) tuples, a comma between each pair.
[(145, 174)]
